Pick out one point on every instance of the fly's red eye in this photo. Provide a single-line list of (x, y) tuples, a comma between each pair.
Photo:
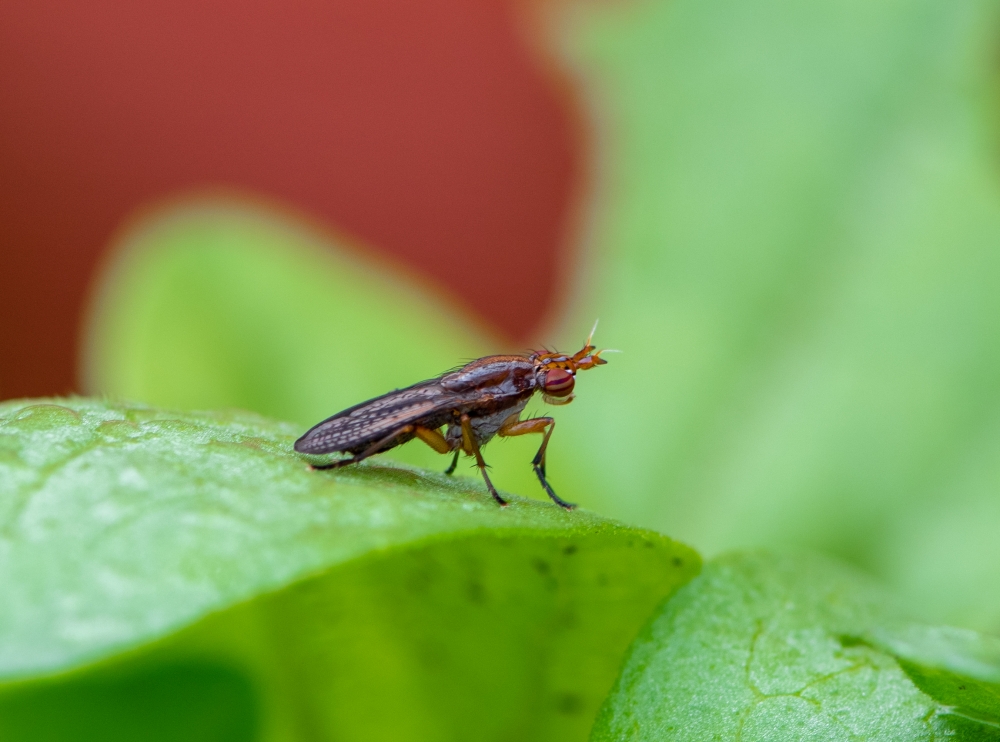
[(558, 382)]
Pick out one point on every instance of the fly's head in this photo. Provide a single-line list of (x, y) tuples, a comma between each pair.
[(555, 373)]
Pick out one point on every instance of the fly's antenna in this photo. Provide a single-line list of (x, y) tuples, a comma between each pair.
[(593, 329), (585, 354)]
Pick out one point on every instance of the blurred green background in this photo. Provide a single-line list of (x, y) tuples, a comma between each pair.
[(791, 231)]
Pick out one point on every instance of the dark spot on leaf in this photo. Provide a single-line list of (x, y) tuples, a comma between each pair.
[(569, 703), (475, 592), (677, 561), (541, 566), (568, 550), (566, 619), (847, 641)]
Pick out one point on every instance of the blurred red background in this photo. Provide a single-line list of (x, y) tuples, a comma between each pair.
[(429, 130)]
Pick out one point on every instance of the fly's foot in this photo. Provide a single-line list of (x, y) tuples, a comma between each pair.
[(493, 491), (540, 472)]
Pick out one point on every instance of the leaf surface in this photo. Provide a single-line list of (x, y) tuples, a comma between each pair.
[(191, 564), (956, 667), (762, 647)]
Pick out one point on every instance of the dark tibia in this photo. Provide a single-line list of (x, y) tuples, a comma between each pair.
[(539, 465), (470, 440), (491, 488), (454, 462), (540, 471)]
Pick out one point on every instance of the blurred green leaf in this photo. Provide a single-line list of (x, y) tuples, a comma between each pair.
[(795, 244), (961, 651), (184, 576), (221, 304), (760, 647)]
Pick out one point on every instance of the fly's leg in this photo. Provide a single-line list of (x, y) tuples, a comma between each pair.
[(471, 444), (370, 451), (454, 462), (545, 425), (432, 438), (439, 443)]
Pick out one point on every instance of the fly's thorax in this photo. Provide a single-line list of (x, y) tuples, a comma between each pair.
[(503, 375)]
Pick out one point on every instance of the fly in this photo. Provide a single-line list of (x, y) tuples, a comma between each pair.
[(482, 399)]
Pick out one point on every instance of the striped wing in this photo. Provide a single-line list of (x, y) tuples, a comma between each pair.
[(377, 418)]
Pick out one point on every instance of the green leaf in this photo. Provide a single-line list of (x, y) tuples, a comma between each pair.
[(958, 668), (215, 304), (184, 576), (762, 647), (795, 244)]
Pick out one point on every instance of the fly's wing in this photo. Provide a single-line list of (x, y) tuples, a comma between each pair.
[(377, 418)]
